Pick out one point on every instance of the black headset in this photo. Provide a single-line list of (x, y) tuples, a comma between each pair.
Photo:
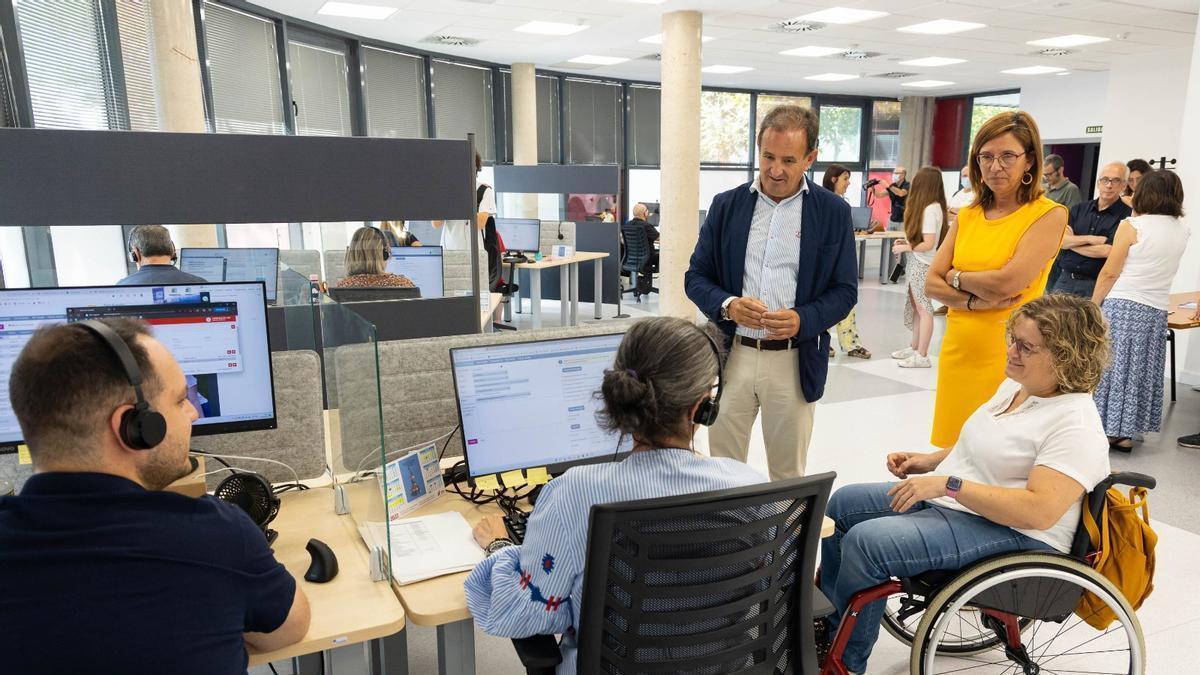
[(387, 249), (706, 414), (142, 427)]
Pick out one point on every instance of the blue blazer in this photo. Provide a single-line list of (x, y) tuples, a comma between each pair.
[(827, 285)]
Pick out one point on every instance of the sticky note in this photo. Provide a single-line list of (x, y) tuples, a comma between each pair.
[(487, 482), (537, 476), (513, 478), (23, 454)]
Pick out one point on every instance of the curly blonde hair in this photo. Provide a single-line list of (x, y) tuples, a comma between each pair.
[(1076, 335)]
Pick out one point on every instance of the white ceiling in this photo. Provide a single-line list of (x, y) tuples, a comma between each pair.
[(741, 38)]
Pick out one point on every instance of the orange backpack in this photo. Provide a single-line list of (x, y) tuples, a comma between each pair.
[(1124, 544)]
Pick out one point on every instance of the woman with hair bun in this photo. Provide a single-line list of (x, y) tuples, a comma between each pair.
[(665, 372)]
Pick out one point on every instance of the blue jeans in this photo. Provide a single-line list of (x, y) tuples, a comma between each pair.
[(1081, 287), (871, 543)]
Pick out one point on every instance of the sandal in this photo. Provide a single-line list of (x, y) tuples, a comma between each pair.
[(859, 352), (1120, 444)]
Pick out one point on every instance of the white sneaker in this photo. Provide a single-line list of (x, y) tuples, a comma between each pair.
[(902, 354), (916, 361)]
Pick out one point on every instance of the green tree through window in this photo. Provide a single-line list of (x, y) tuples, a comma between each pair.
[(841, 134), (723, 134)]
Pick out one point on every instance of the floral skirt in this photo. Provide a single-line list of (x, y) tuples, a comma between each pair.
[(1130, 395), (916, 271)]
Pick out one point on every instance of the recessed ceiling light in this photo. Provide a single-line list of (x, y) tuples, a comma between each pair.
[(832, 77), (842, 15), (941, 27), (1033, 70), (598, 60), (657, 39), (356, 11), (1073, 40), (646, 2), (932, 62), (927, 84), (813, 51), (725, 70), (550, 28)]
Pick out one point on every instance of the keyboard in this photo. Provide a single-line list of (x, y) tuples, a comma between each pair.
[(515, 524)]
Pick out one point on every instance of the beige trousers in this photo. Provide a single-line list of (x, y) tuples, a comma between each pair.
[(770, 381)]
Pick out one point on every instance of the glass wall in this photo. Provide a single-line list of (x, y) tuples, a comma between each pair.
[(841, 134), (885, 134), (984, 107), (724, 137), (768, 101)]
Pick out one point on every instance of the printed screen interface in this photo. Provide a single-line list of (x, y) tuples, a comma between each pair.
[(421, 264), (519, 234), (533, 404), (217, 333), (233, 264)]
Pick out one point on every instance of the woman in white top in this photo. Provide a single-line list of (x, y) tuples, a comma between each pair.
[(456, 234), (1133, 291), (924, 225), (1014, 481)]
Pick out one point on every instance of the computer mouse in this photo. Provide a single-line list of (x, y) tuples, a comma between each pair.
[(324, 565)]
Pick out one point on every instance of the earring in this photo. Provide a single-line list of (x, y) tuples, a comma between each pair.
[(1027, 182)]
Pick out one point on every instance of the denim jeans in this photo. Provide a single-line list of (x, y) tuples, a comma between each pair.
[(1080, 287), (872, 543)]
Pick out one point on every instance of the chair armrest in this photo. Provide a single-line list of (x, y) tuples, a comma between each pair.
[(538, 653), (1132, 479)]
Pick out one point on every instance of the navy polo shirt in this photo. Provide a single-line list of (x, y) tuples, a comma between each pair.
[(168, 275), (99, 575), (1086, 218)]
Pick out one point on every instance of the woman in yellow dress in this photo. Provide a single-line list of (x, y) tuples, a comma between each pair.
[(994, 258)]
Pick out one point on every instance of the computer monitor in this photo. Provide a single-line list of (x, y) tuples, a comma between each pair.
[(233, 264), (520, 234), (217, 332), (532, 404), (860, 217), (652, 212), (344, 295), (421, 264)]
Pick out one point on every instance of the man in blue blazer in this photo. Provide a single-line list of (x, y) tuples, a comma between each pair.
[(775, 268)]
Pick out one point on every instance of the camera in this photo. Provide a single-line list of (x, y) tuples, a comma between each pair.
[(871, 183)]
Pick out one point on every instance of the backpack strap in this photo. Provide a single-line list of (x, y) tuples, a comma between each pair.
[(1097, 532)]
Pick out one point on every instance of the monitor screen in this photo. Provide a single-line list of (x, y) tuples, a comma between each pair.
[(860, 217), (217, 332), (520, 234), (421, 264), (532, 404), (425, 232), (233, 264)]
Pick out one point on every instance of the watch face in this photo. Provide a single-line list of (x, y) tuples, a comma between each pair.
[(953, 483)]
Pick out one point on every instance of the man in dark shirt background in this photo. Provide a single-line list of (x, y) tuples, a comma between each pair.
[(897, 193), (151, 249), (1091, 226), (641, 218), (100, 570)]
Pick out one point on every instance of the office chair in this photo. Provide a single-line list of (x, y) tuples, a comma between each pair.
[(637, 262), (718, 582)]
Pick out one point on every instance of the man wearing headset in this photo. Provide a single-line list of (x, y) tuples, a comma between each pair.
[(100, 570), (151, 249)]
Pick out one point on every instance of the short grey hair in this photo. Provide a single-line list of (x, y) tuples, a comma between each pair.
[(151, 240), (663, 367), (790, 117), (1054, 161)]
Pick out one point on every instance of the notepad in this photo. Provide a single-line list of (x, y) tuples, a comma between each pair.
[(513, 478), (487, 482), (426, 546), (537, 476)]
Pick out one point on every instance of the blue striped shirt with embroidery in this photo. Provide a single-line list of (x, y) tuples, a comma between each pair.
[(537, 588), (772, 253)]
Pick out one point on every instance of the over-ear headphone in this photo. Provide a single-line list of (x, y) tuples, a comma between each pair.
[(387, 250), (706, 414), (142, 427)]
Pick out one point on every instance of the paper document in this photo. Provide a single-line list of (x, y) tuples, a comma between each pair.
[(1187, 305), (427, 546)]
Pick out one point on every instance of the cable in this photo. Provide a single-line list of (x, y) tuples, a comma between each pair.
[(295, 475), (447, 443), (206, 454), (272, 666)]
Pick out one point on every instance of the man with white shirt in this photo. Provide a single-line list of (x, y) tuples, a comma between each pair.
[(775, 267)]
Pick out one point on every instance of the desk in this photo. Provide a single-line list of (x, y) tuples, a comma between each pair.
[(1179, 319), (568, 286), (485, 315), (886, 258), (349, 610)]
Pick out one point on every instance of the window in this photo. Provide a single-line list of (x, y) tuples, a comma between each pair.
[(984, 108), (724, 136), (841, 134), (548, 136), (243, 67), (716, 181), (645, 110), (8, 117), (394, 90), (92, 255), (320, 91), (462, 104), (13, 267), (885, 134), (258, 235), (768, 101), (593, 122), (136, 28)]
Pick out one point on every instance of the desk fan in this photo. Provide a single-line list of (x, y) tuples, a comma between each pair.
[(253, 494)]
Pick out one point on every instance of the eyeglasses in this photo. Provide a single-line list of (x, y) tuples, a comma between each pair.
[(1023, 347), (986, 159), (1111, 181)]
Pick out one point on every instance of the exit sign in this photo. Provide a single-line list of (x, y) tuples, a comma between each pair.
[(1094, 130)]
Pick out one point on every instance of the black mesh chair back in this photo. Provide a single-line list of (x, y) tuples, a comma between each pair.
[(709, 583), (637, 248)]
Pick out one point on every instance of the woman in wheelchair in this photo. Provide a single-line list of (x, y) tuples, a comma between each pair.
[(659, 390), (1013, 482)]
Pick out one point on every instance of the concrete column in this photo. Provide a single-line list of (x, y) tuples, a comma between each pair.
[(680, 153), (524, 116), (180, 91)]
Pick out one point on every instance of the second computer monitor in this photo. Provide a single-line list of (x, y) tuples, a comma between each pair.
[(520, 234), (860, 217), (421, 264), (533, 404), (233, 264)]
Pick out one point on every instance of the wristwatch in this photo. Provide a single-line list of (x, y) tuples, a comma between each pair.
[(725, 308), (953, 485), (954, 280), (496, 545)]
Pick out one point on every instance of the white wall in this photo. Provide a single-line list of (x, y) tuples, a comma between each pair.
[(1144, 106), (1188, 278), (1064, 106)]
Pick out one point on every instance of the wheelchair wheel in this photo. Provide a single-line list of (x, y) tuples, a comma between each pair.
[(965, 636), (1032, 581)]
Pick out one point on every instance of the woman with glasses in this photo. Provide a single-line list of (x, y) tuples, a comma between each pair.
[(995, 257), (1013, 482), (1133, 291)]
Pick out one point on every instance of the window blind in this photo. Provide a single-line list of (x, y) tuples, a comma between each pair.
[(645, 111), (462, 104), (135, 25), (593, 122), (243, 66), (70, 83), (549, 134), (394, 89), (320, 90)]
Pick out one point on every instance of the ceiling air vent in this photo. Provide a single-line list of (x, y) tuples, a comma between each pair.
[(858, 55), (795, 26), (1054, 51), (451, 41), (894, 75)]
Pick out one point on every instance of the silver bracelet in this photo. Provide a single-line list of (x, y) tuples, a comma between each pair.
[(496, 545)]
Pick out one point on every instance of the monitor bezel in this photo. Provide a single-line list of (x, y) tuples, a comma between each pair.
[(552, 469), (523, 220), (270, 300), (237, 426), (441, 256)]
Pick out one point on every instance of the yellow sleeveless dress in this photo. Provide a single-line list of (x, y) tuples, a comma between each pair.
[(971, 363)]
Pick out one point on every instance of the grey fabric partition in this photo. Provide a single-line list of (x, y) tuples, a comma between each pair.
[(306, 262), (335, 266), (300, 439), (456, 272), (558, 178)]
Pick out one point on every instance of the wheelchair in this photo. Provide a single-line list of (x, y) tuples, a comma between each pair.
[(1011, 613)]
